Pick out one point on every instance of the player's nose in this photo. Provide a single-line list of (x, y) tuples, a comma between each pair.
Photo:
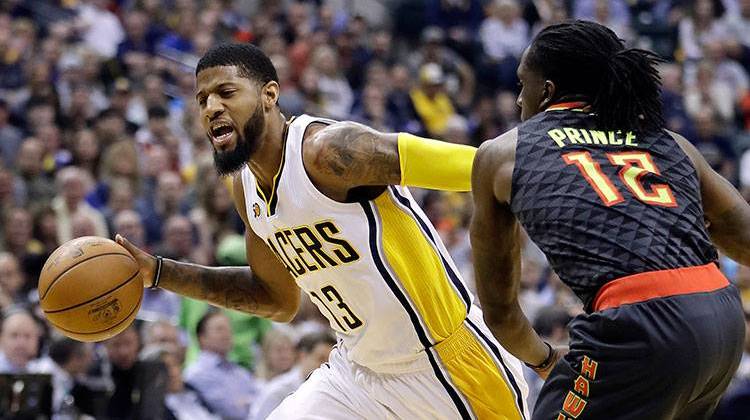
[(214, 107)]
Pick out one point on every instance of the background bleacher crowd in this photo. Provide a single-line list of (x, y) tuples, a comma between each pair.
[(99, 135)]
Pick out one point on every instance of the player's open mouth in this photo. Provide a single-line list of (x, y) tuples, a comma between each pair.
[(221, 133)]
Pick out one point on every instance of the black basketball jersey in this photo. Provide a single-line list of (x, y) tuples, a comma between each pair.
[(606, 204)]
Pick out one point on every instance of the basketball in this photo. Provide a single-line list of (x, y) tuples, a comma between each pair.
[(89, 288)]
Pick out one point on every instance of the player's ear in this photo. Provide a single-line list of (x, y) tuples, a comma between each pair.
[(270, 94), (548, 93)]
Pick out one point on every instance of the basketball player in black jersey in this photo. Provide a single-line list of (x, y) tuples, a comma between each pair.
[(628, 214)]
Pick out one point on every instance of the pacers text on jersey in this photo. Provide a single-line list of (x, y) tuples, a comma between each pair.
[(309, 248)]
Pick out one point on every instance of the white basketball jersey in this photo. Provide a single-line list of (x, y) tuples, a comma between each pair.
[(376, 269)]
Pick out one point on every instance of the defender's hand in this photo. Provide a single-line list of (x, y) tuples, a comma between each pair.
[(146, 261)]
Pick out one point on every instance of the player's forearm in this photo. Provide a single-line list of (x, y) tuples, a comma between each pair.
[(229, 287), (497, 275), (731, 233)]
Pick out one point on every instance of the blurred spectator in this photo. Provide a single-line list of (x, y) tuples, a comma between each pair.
[(700, 27), (249, 330), (161, 333), (291, 100), (715, 147), (672, 96), (10, 136), (709, 92), (19, 241), (618, 15), (101, 29), (459, 76), (458, 17), (430, 100), (73, 184), (86, 151), (139, 386), (228, 389), (485, 121), (140, 36), (277, 353), (68, 359), (613, 14), (161, 203), (738, 25), (37, 186), (373, 111), (336, 94), (214, 216), (128, 223), (19, 341), (399, 100), (504, 36), (178, 241), (312, 351), (182, 401), (156, 130), (45, 228), (12, 190), (11, 281), (119, 161)]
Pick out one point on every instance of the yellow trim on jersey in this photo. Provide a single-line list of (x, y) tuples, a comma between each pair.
[(273, 199), (477, 377), (418, 268)]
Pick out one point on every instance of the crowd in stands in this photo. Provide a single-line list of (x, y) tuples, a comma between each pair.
[(99, 135)]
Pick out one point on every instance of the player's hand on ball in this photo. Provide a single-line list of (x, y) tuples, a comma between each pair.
[(557, 353), (146, 261)]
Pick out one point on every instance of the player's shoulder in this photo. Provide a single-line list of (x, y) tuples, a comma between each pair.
[(690, 150), (498, 151), (323, 144), (493, 166)]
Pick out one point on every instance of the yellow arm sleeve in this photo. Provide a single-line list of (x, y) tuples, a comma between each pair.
[(434, 164)]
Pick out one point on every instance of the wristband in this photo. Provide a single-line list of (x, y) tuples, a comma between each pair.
[(157, 273), (545, 364)]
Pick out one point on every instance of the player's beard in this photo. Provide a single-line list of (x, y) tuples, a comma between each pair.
[(247, 143)]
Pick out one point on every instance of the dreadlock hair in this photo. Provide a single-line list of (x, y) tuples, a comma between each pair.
[(587, 60), (251, 62)]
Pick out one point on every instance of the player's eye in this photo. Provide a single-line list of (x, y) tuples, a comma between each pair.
[(227, 93)]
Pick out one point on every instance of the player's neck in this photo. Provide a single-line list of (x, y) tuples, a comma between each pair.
[(266, 160)]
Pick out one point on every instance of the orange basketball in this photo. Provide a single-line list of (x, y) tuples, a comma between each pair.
[(89, 288)]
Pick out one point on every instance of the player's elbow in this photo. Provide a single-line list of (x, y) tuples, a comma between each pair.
[(500, 316), (283, 315), (286, 309)]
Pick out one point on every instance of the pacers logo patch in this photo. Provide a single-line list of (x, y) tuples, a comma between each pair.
[(256, 210)]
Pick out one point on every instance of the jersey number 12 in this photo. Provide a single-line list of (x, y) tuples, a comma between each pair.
[(634, 166)]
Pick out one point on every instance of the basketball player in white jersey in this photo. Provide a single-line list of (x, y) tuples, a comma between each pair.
[(327, 210)]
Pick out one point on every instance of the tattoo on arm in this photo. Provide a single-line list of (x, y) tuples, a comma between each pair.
[(358, 155), (229, 287)]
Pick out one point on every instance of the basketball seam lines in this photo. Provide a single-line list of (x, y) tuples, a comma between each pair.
[(136, 307), (94, 298), (76, 264)]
